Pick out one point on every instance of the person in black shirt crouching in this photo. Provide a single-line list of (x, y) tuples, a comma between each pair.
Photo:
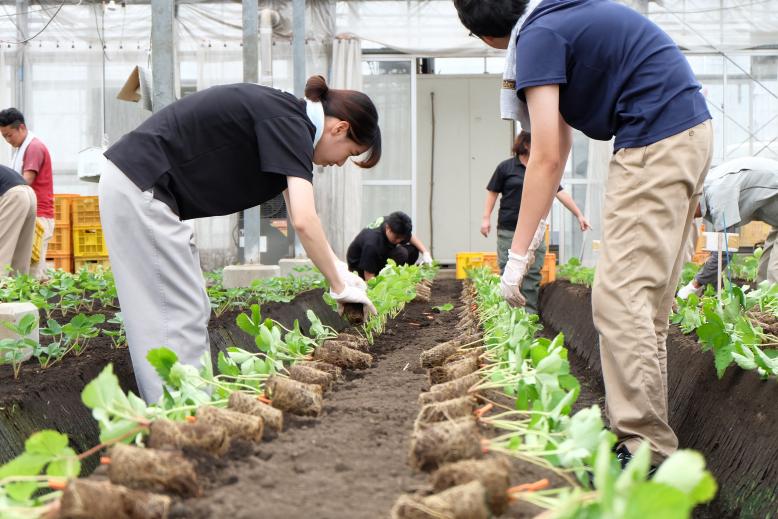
[(389, 237)]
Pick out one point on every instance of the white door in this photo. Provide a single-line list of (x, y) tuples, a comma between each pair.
[(461, 140)]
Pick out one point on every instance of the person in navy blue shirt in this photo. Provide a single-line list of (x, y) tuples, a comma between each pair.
[(608, 71)]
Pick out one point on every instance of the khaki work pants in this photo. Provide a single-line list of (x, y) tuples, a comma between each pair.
[(650, 199), (17, 228)]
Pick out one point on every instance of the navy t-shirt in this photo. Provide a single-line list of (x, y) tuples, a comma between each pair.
[(619, 73), (508, 180), (220, 150)]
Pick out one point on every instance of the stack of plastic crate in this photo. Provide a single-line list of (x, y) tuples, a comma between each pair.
[(89, 248), (59, 253)]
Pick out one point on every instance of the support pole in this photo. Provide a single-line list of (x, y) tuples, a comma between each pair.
[(299, 74), (22, 33), (252, 233), (298, 46), (163, 58), (250, 41)]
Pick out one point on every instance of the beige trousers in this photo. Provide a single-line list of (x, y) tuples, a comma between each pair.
[(38, 269), (650, 199), (17, 228)]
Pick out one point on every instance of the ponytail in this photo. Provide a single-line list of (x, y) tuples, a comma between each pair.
[(354, 107)]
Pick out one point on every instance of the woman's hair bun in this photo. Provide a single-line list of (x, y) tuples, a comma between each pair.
[(316, 88)]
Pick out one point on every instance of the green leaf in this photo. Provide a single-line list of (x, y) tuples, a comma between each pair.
[(685, 471), (653, 499), (723, 358), (444, 308), (226, 366), (163, 360), (47, 443)]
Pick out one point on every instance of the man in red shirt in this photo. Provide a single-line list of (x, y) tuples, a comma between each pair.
[(31, 159)]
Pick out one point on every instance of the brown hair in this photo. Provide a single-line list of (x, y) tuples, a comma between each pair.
[(522, 144), (354, 107)]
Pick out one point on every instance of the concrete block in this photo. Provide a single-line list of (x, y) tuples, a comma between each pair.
[(288, 266), (13, 313), (241, 276)]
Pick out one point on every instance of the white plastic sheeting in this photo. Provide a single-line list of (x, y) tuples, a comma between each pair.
[(339, 190)]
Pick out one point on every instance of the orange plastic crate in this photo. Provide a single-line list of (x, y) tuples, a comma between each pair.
[(86, 212), (63, 262), (61, 242), (62, 209), (92, 264), (89, 243)]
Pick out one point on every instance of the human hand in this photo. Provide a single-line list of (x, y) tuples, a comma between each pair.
[(357, 296), (349, 278), (426, 258), (584, 223), (486, 226), (510, 283)]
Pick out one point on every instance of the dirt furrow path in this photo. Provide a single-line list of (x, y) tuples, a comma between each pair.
[(350, 463)]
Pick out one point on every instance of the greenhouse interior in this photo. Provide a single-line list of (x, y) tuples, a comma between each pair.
[(410, 259)]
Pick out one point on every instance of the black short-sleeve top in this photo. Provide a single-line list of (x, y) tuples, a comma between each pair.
[(220, 150)]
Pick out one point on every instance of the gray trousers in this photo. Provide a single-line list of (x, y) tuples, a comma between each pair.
[(158, 277), (530, 287)]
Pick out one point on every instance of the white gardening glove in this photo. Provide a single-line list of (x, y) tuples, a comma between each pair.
[(426, 258), (688, 290), (349, 278), (510, 284), (354, 295)]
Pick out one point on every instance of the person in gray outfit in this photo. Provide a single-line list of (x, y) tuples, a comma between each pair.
[(734, 194)]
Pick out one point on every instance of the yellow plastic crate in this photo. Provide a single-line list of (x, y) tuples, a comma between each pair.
[(86, 212), (468, 260), (92, 264), (37, 241), (89, 243)]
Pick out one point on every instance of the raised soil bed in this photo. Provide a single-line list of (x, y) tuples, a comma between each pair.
[(732, 421), (51, 398)]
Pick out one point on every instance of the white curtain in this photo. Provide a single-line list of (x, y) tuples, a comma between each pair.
[(6, 96), (339, 190)]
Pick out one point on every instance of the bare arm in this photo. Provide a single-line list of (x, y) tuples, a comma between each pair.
[(567, 201), (486, 220), (300, 202), (552, 139), (29, 176)]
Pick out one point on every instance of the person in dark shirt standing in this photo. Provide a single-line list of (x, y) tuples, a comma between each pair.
[(606, 70), (507, 182), (17, 222), (389, 237), (216, 152)]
